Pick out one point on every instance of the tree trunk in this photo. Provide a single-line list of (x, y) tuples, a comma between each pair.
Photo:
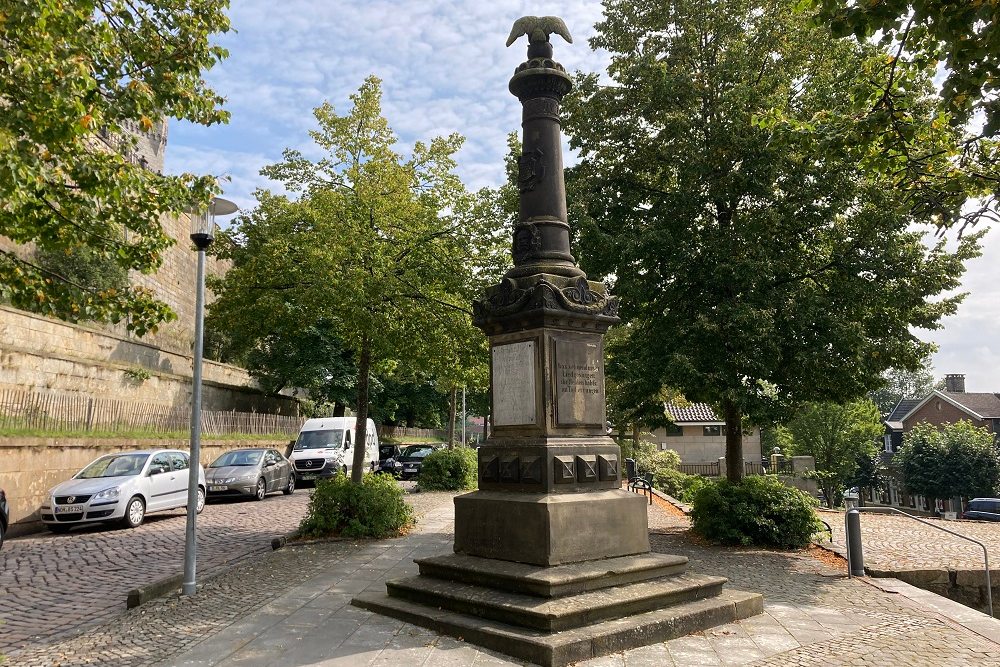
[(734, 441), (338, 409), (451, 416), (361, 427)]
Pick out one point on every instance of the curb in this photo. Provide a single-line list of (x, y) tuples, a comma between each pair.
[(684, 507), (143, 594)]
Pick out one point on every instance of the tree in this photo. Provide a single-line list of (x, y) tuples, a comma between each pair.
[(900, 383), (926, 34), (385, 249), (835, 435), (79, 81), (950, 461), (760, 264)]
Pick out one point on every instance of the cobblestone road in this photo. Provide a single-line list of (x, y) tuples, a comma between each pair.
[(54, 585), (291, 607), (166, 626), (897, 543)]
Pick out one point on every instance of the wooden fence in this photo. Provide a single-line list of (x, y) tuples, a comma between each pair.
[(31, 411)]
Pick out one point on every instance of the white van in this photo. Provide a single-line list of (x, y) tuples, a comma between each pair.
[(325, 447)]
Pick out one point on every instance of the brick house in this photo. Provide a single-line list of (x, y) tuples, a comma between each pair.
[(940, 407), (955, 404), (699, 435)]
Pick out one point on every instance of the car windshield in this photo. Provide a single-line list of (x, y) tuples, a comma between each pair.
[(238, 458), (417, 451), (320, 439), (117, 465)]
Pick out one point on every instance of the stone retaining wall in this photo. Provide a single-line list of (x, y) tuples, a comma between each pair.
[(39, 353), (29, 467)]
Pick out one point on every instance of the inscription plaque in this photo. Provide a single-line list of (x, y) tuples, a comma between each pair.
[(579, 382), (514, 384)]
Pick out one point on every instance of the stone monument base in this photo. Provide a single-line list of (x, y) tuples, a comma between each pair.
[(556, 615), (551, 529)]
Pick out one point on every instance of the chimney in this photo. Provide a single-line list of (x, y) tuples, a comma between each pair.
[(955, 382)]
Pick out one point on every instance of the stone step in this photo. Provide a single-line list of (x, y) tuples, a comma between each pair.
[(551, 581), (556, 649), (552, 614)]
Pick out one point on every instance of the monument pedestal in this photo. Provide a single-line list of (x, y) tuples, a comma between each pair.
[(557, 615), (552, 559), (551, 529)]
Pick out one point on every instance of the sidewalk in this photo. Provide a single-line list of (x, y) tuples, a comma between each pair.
[(813, 615)]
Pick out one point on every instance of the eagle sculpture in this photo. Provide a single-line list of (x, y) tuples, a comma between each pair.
[(538, 29)]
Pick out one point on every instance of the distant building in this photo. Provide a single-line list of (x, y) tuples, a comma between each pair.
[(939, 408), (699, 435)]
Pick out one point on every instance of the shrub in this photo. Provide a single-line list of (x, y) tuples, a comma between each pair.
[(659, 462), (374, 508), (759, 510), (694, 484), (672, 482), (449, 470)]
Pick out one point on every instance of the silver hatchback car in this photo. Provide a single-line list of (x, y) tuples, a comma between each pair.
[(252, 472), (122, 487)]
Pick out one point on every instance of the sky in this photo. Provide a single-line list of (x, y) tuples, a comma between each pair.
[(444, 69)]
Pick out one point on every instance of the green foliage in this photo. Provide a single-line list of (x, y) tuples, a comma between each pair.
[(137, 374), (835, 435), (374, 508), (449, 470), (79, 80), (900, 383), (958, 39), (81, 265), (954, 460), (757, 511), (382, 252), (659, 462), (780, 258)]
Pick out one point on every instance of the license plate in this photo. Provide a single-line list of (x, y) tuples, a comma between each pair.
[(218, 488), (410, 467), (69, 509), (308, 476)]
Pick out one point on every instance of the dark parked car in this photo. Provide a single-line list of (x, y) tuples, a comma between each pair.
[(4, 515), (250, 473), (388, 460), (412, 458), (983, 509)]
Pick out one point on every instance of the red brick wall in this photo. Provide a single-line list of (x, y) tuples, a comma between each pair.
[(938, 411)]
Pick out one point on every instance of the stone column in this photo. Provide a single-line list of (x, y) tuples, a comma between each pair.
[(549, 476)]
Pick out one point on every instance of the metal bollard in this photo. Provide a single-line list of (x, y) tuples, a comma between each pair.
[(855, 556)]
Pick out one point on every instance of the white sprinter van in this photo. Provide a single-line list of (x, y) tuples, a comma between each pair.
[(325, 447)]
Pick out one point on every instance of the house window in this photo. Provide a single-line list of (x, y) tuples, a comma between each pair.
[(673, 430), (712, 431)]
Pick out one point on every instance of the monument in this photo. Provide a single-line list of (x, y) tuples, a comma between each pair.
[(552, 561)]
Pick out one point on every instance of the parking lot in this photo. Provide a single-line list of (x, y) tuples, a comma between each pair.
[(52, 586)]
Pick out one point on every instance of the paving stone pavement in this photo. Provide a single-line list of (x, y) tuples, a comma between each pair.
[(54, 585), (897, 543), (292, 608)]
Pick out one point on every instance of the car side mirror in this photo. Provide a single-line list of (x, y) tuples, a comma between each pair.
[(156, 470)]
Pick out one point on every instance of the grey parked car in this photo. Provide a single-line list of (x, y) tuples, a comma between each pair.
[(250, 472)]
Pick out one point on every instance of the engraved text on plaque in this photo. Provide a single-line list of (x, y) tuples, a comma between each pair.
[(579, 382)]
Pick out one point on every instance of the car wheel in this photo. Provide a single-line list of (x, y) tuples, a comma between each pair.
[(200, 502), (1, 536), (135, 512), (56, 528), (343, 469), (261, 489), (291, 486)]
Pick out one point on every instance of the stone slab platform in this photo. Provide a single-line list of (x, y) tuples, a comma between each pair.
[(555, 614), (551, 581), (562, 648)]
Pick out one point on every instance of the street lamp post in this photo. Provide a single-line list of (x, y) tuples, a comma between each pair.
[(202, 235)]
